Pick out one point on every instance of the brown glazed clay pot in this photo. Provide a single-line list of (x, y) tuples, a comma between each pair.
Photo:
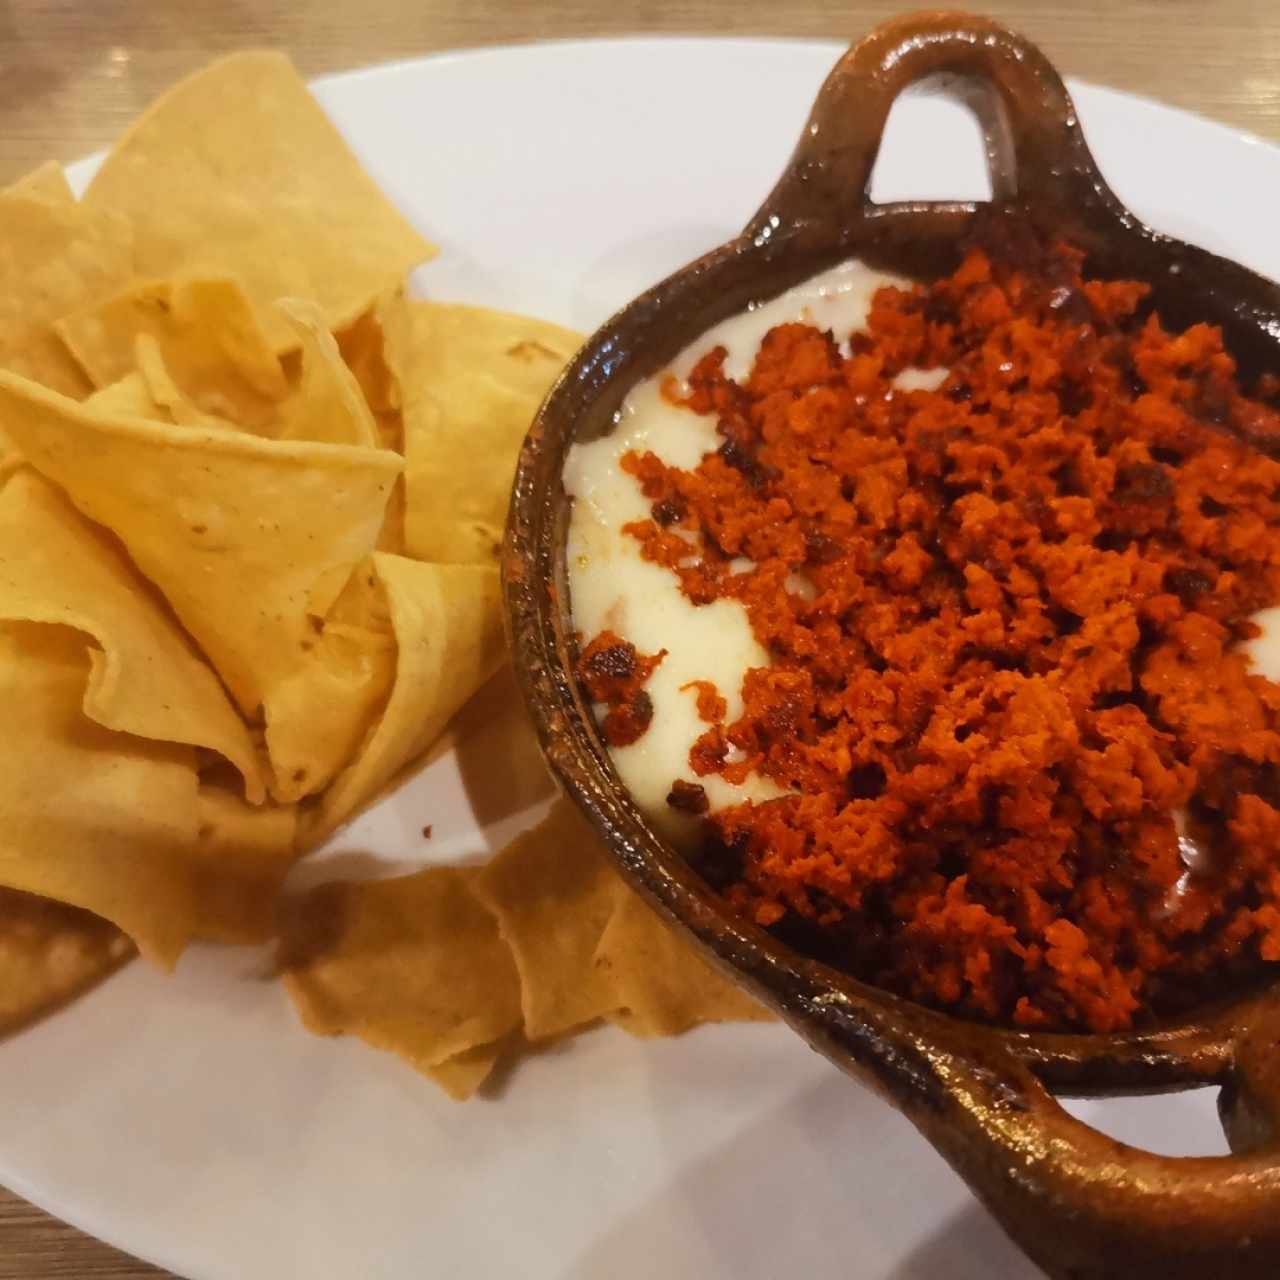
[(1079, 1203)]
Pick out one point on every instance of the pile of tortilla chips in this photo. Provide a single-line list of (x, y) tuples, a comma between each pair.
[(250, 494)]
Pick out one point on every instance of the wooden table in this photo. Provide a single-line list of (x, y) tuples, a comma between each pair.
[(77, 71)]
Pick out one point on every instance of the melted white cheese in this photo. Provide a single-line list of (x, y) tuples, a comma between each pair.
[(1263, 652), (920, 379), (1264, 649), (838, 299), (613, 588)]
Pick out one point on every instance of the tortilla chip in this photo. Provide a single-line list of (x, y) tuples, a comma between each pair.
[(232, 529), (390, 430), (74, 829), (554, 893), (372, 345), (119, 825), (209, 337), (50, 953), (473, 380), (391, 535), (412, 965), (463, 1075), (241, 858), (328, 404), (448, 630), (57, 255), (320, 713), (663, 983), (171, 403), (132, 397), (48, 182), (146, 679), (238, 170)]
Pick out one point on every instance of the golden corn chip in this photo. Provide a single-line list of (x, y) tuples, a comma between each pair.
[(391, 430), (663, 984), (55, 256), (320, 712), (171, 403), (412, 965), (48, 182), (132, 397), (448, 630), (391, 535), (234, 530), (328, 404), (50, 953), (73, 828), (373, 346), (119, 825), (238, 170), (462, 1075), (472, 381), (209, 340), (554, 894), (241, 857), (146, 679)]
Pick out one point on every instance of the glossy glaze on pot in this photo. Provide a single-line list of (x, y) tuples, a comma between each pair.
[(1081, 1204)]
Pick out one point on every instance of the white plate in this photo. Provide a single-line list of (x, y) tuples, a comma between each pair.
[(191, 1121)]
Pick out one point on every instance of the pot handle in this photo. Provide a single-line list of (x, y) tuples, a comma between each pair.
[(1035, 148), (1082, 1205)]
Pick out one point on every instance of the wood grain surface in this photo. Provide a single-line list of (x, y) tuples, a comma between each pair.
[(75, 72)]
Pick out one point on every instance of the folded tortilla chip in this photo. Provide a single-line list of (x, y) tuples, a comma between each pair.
[(554, 893), (413, 965), (146, 679), (320, 713), (166, 401), (119, 825), (365, 347), (373, 346), (50, 953), (391, 535), (448, 630), (208, 336), (472, 380), (74, 829), (328, 403), (130, 397), (234, 530), (238, 170)]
